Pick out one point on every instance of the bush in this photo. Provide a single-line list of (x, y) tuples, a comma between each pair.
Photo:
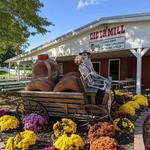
[(8, 122), (35, 122), (21, 141), (73, 142), (123, 125), (101, 129), (141, 100), (4, 112), (64, 127), (104, 143)]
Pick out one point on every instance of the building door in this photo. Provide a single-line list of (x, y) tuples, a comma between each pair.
[(114, 69), (96, 66)]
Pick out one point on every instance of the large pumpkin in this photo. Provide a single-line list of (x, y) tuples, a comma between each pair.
[(68, 83), (46, 67), (40, 84)]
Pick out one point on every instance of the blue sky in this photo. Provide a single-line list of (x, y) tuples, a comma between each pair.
[(68, 15)]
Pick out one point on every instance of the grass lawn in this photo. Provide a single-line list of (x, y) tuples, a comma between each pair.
[(5, 75)]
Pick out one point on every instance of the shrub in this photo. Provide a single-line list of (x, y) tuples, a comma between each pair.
[(4, 112), (104, 143), (133, 104), (123, 125), (8, 122), (35, 122), (101, 129), (141, 100), (64, 127), (21, 141), (73, 142), (126, 108), (50, 148)]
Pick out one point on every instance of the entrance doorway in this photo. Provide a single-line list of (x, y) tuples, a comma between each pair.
[(96, 66), (114, 69)]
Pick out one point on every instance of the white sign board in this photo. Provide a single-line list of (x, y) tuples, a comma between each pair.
[(108, 44), (112, 38)]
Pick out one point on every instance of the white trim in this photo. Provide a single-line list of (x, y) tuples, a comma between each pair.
[(102, 21), (99, 62), (139, 53), (109, 67)]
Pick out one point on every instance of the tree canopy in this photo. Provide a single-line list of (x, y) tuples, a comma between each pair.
[(18, 20), (9, 53)]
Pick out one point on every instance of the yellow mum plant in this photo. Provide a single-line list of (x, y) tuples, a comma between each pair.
[(8, 122), (21, 141), (133, 104), (123, 124), (127, 109), (121, 93), (65, 126), (73, 142), (141, 100)]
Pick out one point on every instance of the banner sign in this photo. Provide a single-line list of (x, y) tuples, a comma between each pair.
[(108, 39)]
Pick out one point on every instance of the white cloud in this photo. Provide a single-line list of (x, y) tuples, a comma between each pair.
[(84, 3)]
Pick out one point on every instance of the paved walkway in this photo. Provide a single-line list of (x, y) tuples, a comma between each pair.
[(2, 146), (138, 133)]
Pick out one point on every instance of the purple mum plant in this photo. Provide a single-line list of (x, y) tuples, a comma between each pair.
[(34, 122), (50, 148), (4, 112)]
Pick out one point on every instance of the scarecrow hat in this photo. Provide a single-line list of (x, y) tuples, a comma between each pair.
[(85, 52)]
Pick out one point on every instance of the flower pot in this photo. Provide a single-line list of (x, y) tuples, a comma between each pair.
[(124, 138)]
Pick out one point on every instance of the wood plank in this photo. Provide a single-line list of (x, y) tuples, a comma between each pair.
[(13, 83), (55, 100), (56, 109), (70, 111), (66, 109), (55, 114), (52, 94), (80, 117), (71, 115), (12, 88), (31, 107), (51, 109), (62, 105)]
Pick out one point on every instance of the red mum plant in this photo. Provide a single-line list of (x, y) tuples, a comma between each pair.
[(101, 129), (104, 143)]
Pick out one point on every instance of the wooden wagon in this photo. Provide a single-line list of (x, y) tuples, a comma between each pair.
[(81, 105)]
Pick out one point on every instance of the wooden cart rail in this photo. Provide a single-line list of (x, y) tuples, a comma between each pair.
[(56, 103), (61, 104), (13, 86)]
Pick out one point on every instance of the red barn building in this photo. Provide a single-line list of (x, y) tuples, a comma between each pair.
[(119, 46)]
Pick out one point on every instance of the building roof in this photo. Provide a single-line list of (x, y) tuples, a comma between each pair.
[(102, 21)]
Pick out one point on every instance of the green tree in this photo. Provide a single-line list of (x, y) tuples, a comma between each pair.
[(18, 20), (9, 53)]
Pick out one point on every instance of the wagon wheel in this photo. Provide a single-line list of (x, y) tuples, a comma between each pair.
[(99, 111), (113, 95), (91, 109), (26, 107)]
